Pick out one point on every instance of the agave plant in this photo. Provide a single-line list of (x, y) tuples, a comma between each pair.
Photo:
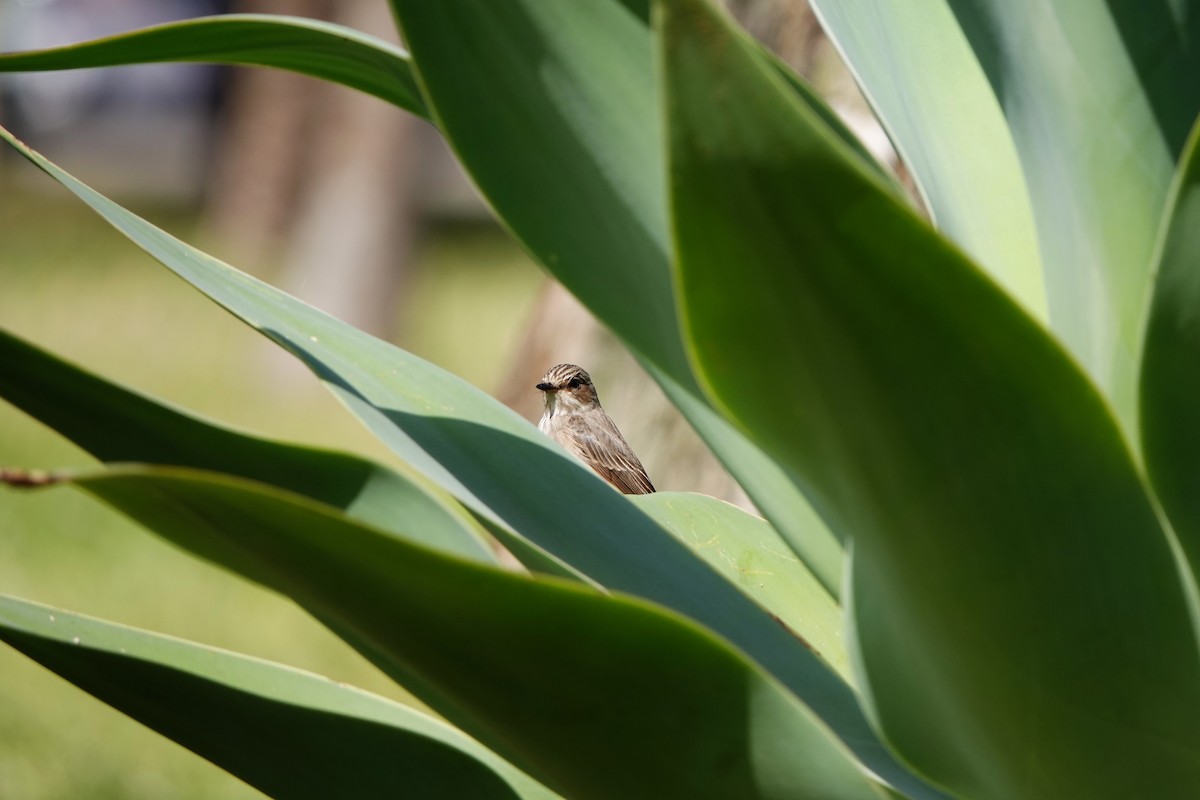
[(973, 442)]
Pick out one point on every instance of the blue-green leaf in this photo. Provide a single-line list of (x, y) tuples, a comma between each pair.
[(116, 424), (311, 47), (553, 109), (289, 733)]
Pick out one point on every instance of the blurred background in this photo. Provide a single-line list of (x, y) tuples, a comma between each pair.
[(339, 199)]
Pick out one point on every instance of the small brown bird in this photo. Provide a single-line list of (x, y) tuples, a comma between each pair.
[(574, 418)]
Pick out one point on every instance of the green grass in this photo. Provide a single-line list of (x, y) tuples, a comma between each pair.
[(72, 285)]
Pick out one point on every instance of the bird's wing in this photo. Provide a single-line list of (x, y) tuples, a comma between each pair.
[(599, 444)]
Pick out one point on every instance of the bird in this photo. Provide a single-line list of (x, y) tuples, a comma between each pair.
[(573, 418)]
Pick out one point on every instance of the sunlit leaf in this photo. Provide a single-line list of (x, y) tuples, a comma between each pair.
[(750, 554), (921, 77), (1099, 98)]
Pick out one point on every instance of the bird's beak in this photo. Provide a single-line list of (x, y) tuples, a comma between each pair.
[(546, 387)]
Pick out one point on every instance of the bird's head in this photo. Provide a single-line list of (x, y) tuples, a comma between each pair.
[(568, 388)]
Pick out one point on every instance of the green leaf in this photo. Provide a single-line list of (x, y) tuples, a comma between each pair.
[(772, 490), (1099, 98), (501, 468), (553, 109), (836, 125), (290, 734), (1170, 383), (310, 47), (115, 424), (928, 89), (1013, 591), (750, 554), (641, 9), (549, 673), (768, 486)]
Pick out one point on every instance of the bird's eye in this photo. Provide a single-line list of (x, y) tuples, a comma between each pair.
[(573, 383)]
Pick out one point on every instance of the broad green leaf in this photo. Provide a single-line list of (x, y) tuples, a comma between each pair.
[(501, 468), (595, 695), (1170, 385), (641, 9), (772, 491), (836, 125), (115, 424), (750, 553), (291, 734), (921, 77), (1099, 98), (1013, 591), (320, 49), (552, 109)]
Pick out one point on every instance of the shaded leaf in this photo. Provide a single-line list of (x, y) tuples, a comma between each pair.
[(550, 674), (291, 734), (1170, 383), (1013, 591)]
